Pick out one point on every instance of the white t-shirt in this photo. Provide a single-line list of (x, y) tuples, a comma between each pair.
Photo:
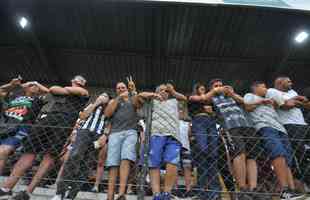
[(184, 128), (291, 116)]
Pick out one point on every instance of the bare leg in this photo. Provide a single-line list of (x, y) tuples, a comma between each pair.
[(124, 173), (155, 180), (188, 178), (290, 177), (239, 165), (170, 177), (46, 164), (5, 151), (281, 171), (176, 182), (251, 174), (61, 170), (132, 178), (100, 166), (22, 165), (113, 172)]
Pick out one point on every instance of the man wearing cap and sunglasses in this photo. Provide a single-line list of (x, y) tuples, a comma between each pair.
[(91, 129), (49, 135)]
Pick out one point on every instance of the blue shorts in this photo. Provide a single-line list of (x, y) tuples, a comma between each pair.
[(276, 143), (121, 146), (164, 149), (15, 140)]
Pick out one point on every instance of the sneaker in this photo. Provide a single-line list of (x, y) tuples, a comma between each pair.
[(57, 197), (121, 197), (157, 197), (23, 195), (195, 197), (188, 194), (174, 197), (95, 189), (291, 195), (4, 194), (165, 196)]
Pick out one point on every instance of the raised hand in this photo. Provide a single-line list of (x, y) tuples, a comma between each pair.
[(100, 100), (228, 90), (124, 94), (158, 97), (170, 88), (16, 81), (131, 84), (301, 98)]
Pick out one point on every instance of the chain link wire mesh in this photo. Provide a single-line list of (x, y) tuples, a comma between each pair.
[(37, 142)]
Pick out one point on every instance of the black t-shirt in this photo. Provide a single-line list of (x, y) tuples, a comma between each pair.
[(195, 108), (71, 105), (23, 109)]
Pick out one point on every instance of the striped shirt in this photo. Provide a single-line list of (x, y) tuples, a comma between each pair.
[(95, 121)]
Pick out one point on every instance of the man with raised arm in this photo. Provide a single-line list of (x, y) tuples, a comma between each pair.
[(49, 135), (290, 106), (90, 130), (122, 112), (165, 143), (274, 136), (19, 113), (228, 106)]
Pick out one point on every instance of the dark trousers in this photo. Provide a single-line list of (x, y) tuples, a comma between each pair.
[(205, 154), (299, 136), (75, 168)]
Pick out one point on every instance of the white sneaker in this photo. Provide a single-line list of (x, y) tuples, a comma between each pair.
[(57, 197)]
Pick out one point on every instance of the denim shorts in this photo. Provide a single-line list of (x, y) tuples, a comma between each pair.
[(276, 143), (121, 146), (15, 140), (163, 150)]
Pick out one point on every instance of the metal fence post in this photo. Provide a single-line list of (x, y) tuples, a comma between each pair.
[(144, 171)]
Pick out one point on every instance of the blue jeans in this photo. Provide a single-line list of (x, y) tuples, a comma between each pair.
[(206, 155)]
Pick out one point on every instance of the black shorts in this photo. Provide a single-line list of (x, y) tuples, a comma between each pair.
[(299, 136), (49, 134), (243, 140)]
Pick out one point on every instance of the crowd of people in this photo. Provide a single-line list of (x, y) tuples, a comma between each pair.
[(64, 124)]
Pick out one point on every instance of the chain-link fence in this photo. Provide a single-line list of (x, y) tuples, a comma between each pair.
[(211, 149)]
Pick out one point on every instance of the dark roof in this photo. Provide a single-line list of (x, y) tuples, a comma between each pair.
[(153, 41)]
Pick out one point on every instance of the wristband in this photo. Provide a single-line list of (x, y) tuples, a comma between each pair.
[(97, 145)]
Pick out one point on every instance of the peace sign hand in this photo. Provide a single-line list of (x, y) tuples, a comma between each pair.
[(131, 84)]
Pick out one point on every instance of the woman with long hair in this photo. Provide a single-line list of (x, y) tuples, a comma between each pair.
[(205, 150)]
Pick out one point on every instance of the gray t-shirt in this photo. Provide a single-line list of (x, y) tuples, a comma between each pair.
[(165, 118), (291, 116), (125, 117), (263, 115)]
